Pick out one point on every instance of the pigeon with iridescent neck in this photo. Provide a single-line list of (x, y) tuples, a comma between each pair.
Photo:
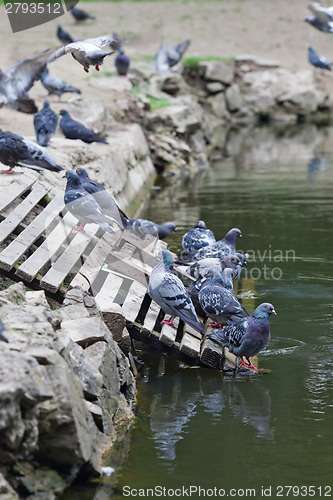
[(168, 291), (221, 248), (247, 337)]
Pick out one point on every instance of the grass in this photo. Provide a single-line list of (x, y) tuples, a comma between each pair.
[(163, 102), (193, 62)]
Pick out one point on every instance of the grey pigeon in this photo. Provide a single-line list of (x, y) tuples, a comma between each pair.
[(322, 19), (161, 59), (45, 123), (18, 80), (318, 61), (83, 205), (122, 62), (55, 85), (88, 52), (200, 268), (326, 27), (248, 336), (175, 53), (63, 36), (2, 329), (73, 129), (15, 150), (104, 199), (242, 263), (219, 303), (197, 237), (79, 14), (167, 290), (221, 248), (143, 227)]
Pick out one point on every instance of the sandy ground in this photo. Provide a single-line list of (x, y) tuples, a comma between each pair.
[(271, 29)]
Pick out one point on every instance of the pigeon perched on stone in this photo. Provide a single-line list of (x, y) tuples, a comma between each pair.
[(200, 268), (247, 337), (45, 123), (218, 302), (322, 19), (63, 36), (197, 237), (168, 291), (2, 329), (143, 227), (79, 14), (104, 199), (318, 61), (122, 62), (83, 205), (175, 53), (221, 248), (18, 80), (18, 151), (73, 129), (88, 52), (55, 85)]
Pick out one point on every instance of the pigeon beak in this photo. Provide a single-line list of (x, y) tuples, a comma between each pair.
[(274, 312)]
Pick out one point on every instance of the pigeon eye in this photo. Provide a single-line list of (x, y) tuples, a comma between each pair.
[(268, 308)]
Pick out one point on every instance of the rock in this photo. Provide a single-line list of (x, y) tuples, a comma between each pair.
[(214, 87), (90, 112), (6, 490), (85, 331), (171, 83), (233, 98), (217, 105), (216, 71)]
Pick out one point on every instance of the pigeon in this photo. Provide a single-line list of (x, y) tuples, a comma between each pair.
[(322, 19), (2, 329), (175, 53), (161, 59), (318, 61), (122, 62), (168, 291), (76, 130), (197, 237), (63, 36), (221, 248), (200, 268), (88, 52), (18, 80), (17, 151), (104, 199), (247, 337), (79, 14), (316, 23), (55, 85), (45, 123), (142, 227), (83, 205), (218, 302), (242, 263)]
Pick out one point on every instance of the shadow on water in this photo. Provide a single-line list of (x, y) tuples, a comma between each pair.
[(196, 426)]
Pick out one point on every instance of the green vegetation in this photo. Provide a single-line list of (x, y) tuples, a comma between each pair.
[(193, 62), (158, 103)]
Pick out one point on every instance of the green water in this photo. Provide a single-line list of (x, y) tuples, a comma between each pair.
[(196, 427)]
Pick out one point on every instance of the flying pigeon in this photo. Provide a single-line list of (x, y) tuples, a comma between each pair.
[(200, 268), (142, 227), (55, 85), (161, 59), (218, 302), (248, 336), (197, 237), (45, 123), (63, 36), (79, 14), (167, 290), (76, 130), (2, 329), (18, 80), (221, 248), (322, 19), (88, 52), (104, 199), (122, 62), (83, 205), (17, 151), (318, 61), (175, 53)]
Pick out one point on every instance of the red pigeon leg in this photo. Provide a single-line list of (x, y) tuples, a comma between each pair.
[(215, 325), (86, 69), (80, 228), (97, 67), (8, 172), (168, 321)]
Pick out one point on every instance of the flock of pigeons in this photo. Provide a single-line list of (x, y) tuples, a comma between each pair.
[(322, 20)]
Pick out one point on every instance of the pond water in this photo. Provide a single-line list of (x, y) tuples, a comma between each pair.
[(195, 426)]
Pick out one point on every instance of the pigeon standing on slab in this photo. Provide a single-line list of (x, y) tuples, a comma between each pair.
[(73, 129), (168, 291), (88, 52), (197, 237), (122, 62), (15, 150), (63, 36), (221, 248), (83, 205), (322, 19), (45, 123), (18, 80), (79, 14), (318, 61), (104, 199), (2, 329), (175, 53), (247, 337), (55, 85), (143, 227)]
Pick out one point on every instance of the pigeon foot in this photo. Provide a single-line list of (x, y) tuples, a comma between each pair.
[(97, 67), (86, 69), (168, 322), (247, 365), (78, 229), (215, 325), (8, 172)]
